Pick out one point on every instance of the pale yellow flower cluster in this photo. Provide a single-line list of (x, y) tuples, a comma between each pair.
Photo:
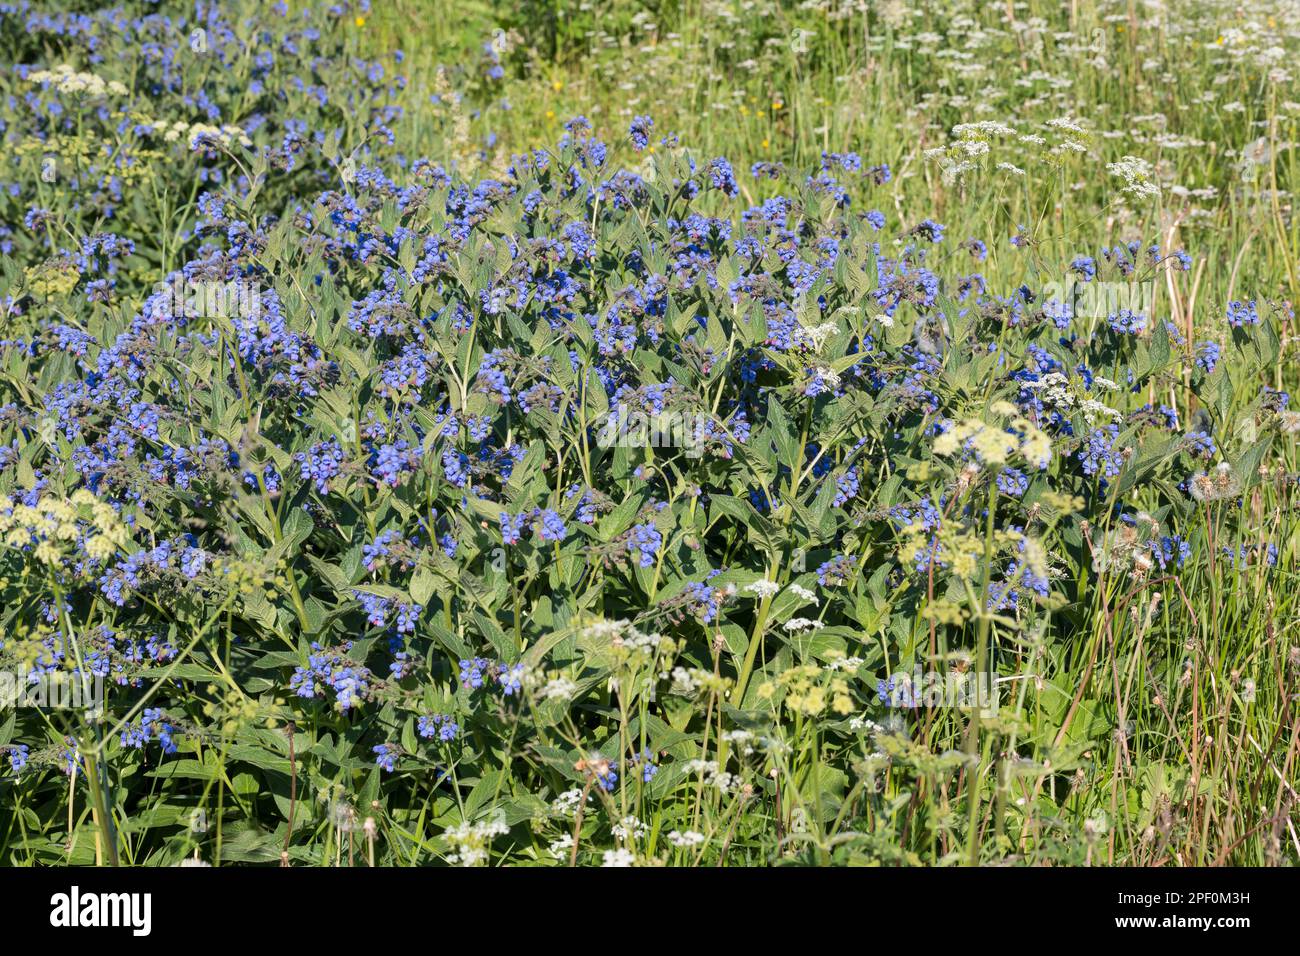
[(67, 80), (806, 692), (227, 135), (55, 522), (994, 444), (54, 276)]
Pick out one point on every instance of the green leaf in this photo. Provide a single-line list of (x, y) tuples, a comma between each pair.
[(422, 585)]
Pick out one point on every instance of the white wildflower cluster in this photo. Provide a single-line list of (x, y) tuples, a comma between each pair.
[(827, 376), (629, 828), (713, 775), (623, 634), (687, 682), (1067, 125), (566, 804), (1138, 176), (684, 682), (797, 624), (798, 590), (817, 335), (618, 858), (1093, 409), (604, 629), (685, 840), (1054, 390), (845, 664), (957, 160), (1067, 146), (762, 588), (471, 841), (981, 130), (65, 79), (559, 688), (973, 143), (562, 846), (864, 723), (742, 740)]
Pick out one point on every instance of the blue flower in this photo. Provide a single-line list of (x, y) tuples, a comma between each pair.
[(550, 526), (509, 678), (722, 177), (929, 229), (472, 671), (1098, 453), (846, 487), (1012, 482), (511, 527), (18, 757), (896, 692), (386, 756), (1200, 443), (640, 132), (320, 463), (1127, 322), (1242, 314), (437, 725), (838, 570), (646, 540), (1207, 356)]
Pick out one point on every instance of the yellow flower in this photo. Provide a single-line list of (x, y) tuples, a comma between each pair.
[(557, 85), (993, 446), (360, 21), (776, 105), (963, 558), (815, 702), (550, 114), (99, 547)]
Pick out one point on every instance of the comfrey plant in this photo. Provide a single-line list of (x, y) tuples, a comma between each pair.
[(387, 541)]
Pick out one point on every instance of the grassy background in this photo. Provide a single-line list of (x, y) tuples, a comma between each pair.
[(1189, 89)]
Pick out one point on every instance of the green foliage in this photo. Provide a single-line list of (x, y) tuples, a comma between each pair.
[(598, 505)]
